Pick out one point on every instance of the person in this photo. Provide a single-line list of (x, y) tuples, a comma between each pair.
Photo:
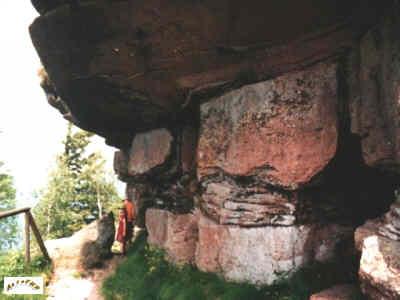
[(120, 234), (130, 218)]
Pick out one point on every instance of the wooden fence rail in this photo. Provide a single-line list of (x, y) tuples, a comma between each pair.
[(29, 224)]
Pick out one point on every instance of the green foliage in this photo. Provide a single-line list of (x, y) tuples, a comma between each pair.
[(8, 226), (13, 264), (145, 275), (79, 189)]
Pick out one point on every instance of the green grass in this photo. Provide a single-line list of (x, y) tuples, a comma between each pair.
[(13, 264), (145, 275)]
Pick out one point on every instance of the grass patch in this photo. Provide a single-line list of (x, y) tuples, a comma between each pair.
[(145, 275), (13, 264)]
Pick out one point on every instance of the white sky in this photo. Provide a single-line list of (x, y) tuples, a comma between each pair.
[(31, 130)]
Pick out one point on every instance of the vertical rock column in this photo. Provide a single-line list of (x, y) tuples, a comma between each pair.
[(258, 146), (159, 172), (375, 115)]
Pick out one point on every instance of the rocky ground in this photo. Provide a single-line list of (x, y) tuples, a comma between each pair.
[(71, 284), (81, 262)]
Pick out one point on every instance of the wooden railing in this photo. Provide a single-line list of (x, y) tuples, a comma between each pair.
[(29, 224)]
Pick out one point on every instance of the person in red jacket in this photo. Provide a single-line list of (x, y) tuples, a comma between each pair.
[(120, 234), (130, 210)]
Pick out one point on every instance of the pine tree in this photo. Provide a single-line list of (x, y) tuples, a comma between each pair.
[(8, 226), (79, 189)]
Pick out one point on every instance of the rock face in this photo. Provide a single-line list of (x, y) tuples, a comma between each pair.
[(177, 234), (121, 159), (87, 248), (282, 131), (379, 242), (149, 150), (127, 73), (259, 255), (339, 292), (249, 134), (379, 268), (375, 109)]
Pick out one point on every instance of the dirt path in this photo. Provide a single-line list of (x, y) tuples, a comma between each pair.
[(70, 284)]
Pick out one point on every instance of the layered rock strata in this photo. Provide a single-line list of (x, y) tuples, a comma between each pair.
[(252, 148)]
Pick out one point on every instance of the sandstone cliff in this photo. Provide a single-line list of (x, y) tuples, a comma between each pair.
[(255, 137)]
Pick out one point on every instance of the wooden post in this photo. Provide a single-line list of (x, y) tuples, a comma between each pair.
[(29, 222), (38, 237), (27, 239)]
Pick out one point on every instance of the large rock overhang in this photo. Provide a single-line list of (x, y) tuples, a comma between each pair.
[(124, 67)]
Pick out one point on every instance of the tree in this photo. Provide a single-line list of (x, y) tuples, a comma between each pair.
[(79, 189), (8, 226)]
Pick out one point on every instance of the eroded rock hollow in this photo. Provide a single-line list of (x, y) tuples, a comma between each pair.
[(255, 137)]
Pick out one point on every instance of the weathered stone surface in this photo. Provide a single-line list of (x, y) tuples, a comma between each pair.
[(327, 238), (283, 131), (227, 203), (133, 68), (380, 268), (257, 255), (375, 90), (149, 150), (43, 6), (176, 233), (85, 249), (157, 226), (370, 228), (138, 193), (387, 226), (182, 236), (338, 292), (391, 227), (121, 159), (188, 148), (379, 242)]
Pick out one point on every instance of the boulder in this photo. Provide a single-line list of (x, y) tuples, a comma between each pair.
[(264, 254), (379, 243), (380, 268), (387, 226), (282, 131), (149, 150), (338, 292), (175, 233), (86, 248)]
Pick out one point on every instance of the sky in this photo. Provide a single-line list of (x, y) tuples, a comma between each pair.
[(31, 131)]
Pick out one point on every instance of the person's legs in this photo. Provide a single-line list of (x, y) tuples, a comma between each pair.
[(123, 247), (129, 232)]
